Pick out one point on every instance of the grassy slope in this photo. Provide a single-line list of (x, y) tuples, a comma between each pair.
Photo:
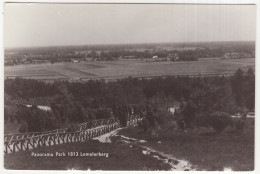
[(231, 149), (121, 157)]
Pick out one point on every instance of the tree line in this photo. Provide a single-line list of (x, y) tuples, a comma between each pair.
[(75, 102)]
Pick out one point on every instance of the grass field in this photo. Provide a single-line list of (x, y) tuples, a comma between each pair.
[(120, 157), (231, 149), (125, 68)]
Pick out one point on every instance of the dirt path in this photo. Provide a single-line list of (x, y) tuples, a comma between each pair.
[(106, 138), (176, 164)]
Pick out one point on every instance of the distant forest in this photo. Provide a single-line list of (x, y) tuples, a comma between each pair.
[(75, 102)]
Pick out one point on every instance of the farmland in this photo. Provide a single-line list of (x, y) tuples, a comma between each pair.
[(124, 68)]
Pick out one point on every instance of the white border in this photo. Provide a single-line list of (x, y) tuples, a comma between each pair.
[(257, 120), (142, 1)]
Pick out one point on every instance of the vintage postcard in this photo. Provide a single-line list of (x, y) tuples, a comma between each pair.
[(129, 87)]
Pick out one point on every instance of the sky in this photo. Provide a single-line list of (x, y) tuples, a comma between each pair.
[(35, 24)]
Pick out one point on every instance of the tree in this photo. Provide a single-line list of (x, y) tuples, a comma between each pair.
[(6, 114), (23, 128), (121, 113), (150, 115), (219, 121), (250, 89), (188, 113), (238, 87), (145, 124)]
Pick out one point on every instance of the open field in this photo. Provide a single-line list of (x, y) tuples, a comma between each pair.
[(120, 157), (125, 68), (230, 150), (32, 71)]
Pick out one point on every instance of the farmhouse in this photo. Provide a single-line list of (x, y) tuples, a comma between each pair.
[(45, 108), (235, 55), (173, 108), (129, 57), (75, 60)]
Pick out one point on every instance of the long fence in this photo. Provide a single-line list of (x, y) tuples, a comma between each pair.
[(19, 142)]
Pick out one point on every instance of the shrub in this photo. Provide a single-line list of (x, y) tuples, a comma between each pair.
[(23, 128), (220, 120), (239, 124), (202, 120), (145, 124), (181, 124)]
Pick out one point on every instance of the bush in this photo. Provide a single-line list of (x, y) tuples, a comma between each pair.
[(23, 128), (181, 124), (239, 124), (145, 124), (220, 120), (202, 120)]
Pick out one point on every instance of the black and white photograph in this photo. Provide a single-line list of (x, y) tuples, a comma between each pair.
[(129, 86)]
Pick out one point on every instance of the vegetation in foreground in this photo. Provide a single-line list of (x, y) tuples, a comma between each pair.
[(203, 147), (198, 98), (120, 157)]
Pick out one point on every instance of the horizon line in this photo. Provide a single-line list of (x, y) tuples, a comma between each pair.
[(100, 44)]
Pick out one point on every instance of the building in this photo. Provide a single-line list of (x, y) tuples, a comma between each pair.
[(235, 55), (75, 60)]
